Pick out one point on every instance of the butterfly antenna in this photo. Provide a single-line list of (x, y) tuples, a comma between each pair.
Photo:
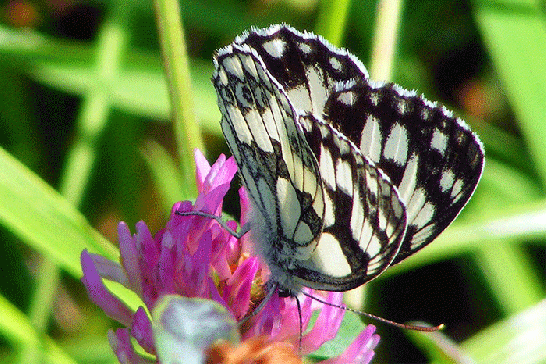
[(244, 229), (381, 319), (298, 305)]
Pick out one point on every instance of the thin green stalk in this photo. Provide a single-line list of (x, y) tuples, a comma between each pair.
[(332, 20), (385, 39), (175, 58)]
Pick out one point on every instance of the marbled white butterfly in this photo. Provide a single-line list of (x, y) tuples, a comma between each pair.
[(346, 176)]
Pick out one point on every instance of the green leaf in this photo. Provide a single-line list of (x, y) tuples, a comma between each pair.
[(48, 223), (15, 326), (515, 34), (518, 339), (35, 212)]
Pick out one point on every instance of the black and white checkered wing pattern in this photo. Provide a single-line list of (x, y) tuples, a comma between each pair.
[(305, 65), (432, 157), (364, 220), (325, 216), (277, 166)]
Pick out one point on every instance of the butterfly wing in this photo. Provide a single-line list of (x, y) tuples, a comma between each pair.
[(431, 156), (276, 165), (364, 220), (305, 65), (326, 217)]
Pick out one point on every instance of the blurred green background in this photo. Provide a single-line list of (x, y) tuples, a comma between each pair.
[(87, 140)]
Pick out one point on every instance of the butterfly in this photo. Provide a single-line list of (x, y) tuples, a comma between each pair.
[(346, 176)]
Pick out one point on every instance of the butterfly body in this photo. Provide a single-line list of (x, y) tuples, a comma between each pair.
[(346, 176)]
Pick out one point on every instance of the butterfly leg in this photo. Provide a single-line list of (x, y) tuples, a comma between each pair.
[(244, 229)]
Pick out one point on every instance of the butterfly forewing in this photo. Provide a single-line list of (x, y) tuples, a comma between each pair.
[(275, 163), (305, 65)]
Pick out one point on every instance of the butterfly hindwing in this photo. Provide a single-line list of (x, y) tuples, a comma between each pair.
[(431, 156), (364, 220)]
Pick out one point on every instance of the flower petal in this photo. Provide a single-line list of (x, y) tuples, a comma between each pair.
[(120, 342), (129, 257), (98, 293), (141, 330)]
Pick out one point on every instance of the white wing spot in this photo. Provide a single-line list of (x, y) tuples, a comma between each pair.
[(344, 178), (317, 88), (371, 139), (233, 65), (396, 147), (335, 63), (416, 203), (250, 66), (289, 207), (424, 216), (348, 98), (258, 131), (275, 47), (305, 48), (326, 167), (423, 234), (357, 214), (447, 179), (222, 77), (309, 181), (299, 96), (270, 126), (457, 188), (401, 106), (230, 138), (329, 257), (303, 234), (329, 217), (366, 235), (439, 141), (373, 247), (425, 113), (237, 121), (375, 98), (299, 173), (409, 180)]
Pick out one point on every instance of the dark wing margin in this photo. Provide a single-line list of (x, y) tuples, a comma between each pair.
[(307, 66)]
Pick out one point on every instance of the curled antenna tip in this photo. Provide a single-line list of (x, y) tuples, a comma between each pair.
[(419, 326)]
